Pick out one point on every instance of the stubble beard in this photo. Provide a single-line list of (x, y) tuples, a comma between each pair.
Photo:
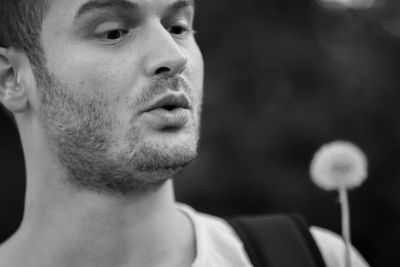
[(80, 130)]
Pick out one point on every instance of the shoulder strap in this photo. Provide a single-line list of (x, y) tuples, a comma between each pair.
[(278, 241)]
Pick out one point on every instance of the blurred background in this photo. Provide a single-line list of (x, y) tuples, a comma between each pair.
[(284, 77)]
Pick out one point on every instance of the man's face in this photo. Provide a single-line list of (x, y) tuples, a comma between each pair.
[(120, 95)]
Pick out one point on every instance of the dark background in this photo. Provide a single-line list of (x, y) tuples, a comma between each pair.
[(283, 77)]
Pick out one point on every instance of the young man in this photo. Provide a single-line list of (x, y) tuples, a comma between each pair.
[(107, 96)]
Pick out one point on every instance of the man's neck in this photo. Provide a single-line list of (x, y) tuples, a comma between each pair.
[(87, 229)]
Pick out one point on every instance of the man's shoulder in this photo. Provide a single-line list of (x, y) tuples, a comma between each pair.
[(209, 227), (7, 257), (216, 242), (332, 248), (218, 233)]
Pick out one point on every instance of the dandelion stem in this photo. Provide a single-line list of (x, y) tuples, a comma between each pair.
[(344, 203)]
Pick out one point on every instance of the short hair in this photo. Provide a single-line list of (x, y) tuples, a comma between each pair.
[(20, 27)]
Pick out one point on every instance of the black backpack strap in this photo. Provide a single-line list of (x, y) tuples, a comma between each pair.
[(278, 241)]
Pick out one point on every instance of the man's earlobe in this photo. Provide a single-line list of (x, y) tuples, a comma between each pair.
[(13, 95)]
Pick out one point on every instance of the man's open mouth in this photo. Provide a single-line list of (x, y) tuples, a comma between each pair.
[(170, 103), (171, 112)]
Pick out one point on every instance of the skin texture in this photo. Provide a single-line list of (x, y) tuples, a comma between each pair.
[(98, 165), (93, 112)]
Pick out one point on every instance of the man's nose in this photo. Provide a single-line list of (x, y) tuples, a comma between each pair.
[(165, 55)]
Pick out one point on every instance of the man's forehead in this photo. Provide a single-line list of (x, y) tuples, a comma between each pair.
[(89, 5), (80, 6), (62, 14), (62, 19)]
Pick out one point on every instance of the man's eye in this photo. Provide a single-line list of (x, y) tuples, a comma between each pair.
[(111, 31), (180, 30), (115, 34), (177, 30)]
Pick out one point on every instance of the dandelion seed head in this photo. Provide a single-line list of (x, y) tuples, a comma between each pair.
[(339, 164)]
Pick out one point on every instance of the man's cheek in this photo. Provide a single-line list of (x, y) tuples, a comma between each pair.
[(100, 82)]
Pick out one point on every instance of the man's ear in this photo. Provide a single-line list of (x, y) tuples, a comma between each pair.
[(13, 91)]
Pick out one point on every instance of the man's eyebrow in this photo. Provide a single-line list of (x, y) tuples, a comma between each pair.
[(100, 4), (180, 4)]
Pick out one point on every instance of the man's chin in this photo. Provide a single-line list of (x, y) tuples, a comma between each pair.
[(166, 163), (141, 166), (152, 163), (122, 181), (148, 176), (169, 150), (170, 167)]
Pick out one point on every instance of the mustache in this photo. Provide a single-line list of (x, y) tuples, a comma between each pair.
[(162, 85)]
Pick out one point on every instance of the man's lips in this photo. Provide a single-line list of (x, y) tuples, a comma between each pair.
[(170, 102), (170, 112)]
